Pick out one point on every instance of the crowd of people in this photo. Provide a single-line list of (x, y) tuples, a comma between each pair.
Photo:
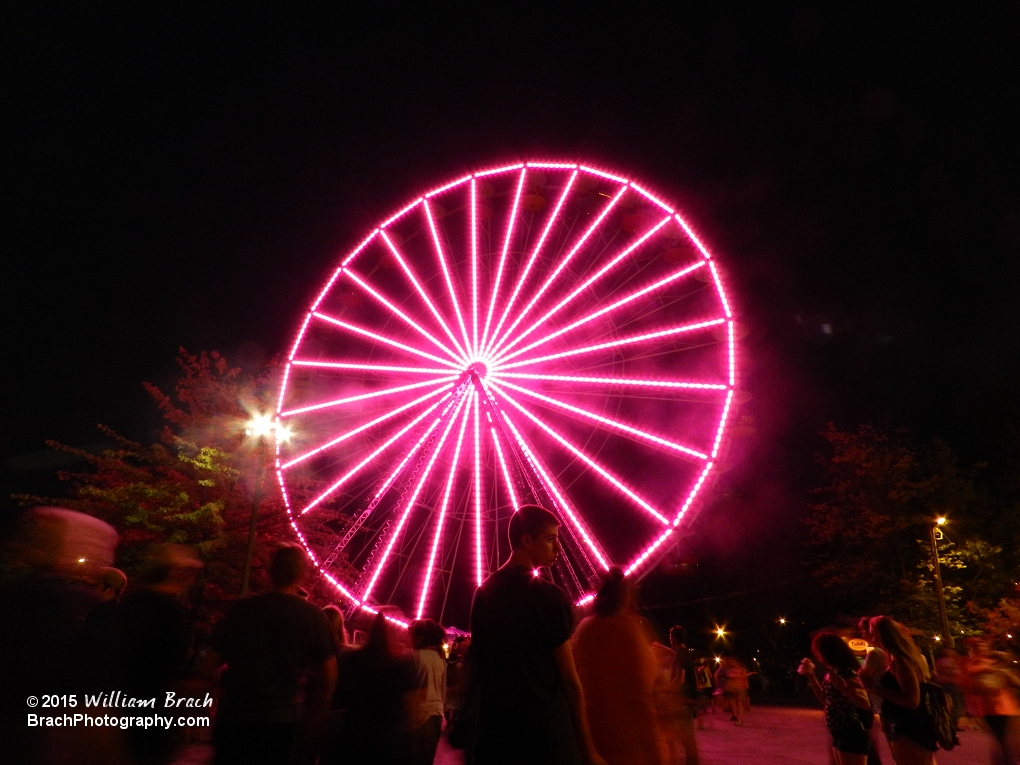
[(897, 681), (282, 682)]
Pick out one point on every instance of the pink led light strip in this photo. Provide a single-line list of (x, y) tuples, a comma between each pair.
[(401, 213), (555, 492), (514, 503), (498, 170), (389, 442), (409, 273), (564, 261), (365, 396), (616, 381), (531, 259), (594, 278), (474, 266), (647, 552), (362, 428), (403, 317), (427, 579), (647, 195), (502, 256), (413, 499), (388, 341), (447, 187), (446, 273), (616, 482), (615, 343), (603, 174), (369, 367), (601, 312), (479, 565), (615, 425)]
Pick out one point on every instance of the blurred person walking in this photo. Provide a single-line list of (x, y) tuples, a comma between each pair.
[(373, 688), (156, 640), (618, 669), (531, 707), (848, 712), (731, 679), (906, 725), (42, 638), (683, 676), (990, 688)]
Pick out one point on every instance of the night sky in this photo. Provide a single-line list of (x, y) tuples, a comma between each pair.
[(184, 178)]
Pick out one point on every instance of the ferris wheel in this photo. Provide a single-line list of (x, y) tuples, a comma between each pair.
[(541, 332)]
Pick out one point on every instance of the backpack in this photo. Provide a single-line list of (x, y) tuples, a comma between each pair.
[(936, 705)]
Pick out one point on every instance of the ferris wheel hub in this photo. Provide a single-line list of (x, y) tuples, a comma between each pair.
[(479, 369)]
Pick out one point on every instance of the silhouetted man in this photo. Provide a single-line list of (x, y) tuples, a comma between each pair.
[(532, 706), (270, 643)]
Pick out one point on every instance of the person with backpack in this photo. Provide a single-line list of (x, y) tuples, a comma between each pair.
[(848, 713), (908, 726)]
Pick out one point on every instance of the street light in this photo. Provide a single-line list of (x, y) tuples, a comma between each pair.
[(939, 594), (260, 426)]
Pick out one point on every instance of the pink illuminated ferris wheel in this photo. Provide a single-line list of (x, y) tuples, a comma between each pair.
[(540, 332)]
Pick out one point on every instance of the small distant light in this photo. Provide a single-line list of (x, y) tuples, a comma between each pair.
[(937, 638), (782, 620), (283, 433), (720, 632), (1009, 636), (81, 560), (942, 520), (718, 660)]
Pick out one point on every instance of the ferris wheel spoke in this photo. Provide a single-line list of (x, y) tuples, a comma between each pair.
[(402, 316), (632, 340), (477, 476), (658, 284), (389, 442), (647, 552), (358, 367), (609, 423), (557, 495), (365, 396), (411, 502), (616, 260), (440, 522), (580, 454), (367, 426), (412, 277), (494, 290), (408, 456), (564, 261), (613, 381), (534, 255), (474, 265), (381, 338), (454, 299), (507, 480)]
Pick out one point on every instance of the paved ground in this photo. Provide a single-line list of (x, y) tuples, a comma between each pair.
[(784, 736), (769, 736)]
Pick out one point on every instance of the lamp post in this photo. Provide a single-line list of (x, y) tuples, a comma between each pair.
[(260, 427), (939, 594)]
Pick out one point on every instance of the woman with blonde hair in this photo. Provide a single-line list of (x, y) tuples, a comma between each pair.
[(907, 727)]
